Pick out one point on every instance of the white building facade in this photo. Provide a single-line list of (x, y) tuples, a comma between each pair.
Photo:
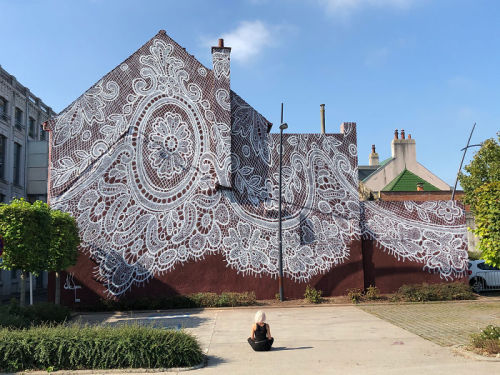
[(23, 155)]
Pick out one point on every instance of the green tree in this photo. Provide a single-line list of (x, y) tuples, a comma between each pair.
[(482, 187), (484, 168), (25, 229), (64, 243), (487, 217)]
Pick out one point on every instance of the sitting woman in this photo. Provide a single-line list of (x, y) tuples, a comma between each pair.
[(261, 339)]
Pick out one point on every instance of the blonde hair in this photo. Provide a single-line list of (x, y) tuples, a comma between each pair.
[(260, 316)]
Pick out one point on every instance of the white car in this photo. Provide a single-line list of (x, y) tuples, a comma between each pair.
[(482, 276)]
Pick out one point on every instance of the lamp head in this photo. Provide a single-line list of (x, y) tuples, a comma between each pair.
[(283, 126)]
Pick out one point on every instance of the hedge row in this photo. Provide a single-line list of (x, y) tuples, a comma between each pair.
[(94, 347), (434, 292), (14, 316), (175, 302)]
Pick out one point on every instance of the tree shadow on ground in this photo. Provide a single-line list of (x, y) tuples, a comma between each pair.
[(167, 321)]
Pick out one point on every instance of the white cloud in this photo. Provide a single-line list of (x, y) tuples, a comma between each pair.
[(248, 40), (345, 8)]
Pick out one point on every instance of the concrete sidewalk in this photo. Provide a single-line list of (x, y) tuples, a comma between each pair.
[(310, 340)]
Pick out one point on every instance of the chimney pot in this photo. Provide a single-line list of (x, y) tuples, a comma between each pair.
[(221, 43), (396, 134), (402, 134), (373, 148), (409, 136)]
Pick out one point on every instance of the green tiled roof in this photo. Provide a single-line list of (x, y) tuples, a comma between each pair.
[(407, 181)]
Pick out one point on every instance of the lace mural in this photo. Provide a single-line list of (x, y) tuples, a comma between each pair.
[(161, 163)]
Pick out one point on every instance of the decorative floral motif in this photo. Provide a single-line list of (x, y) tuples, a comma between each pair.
[(170, 145), (421, 238), (142, 160), (221, 64), (449, 211), (247, 249)]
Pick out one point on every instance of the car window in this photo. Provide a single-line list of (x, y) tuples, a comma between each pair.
[(484, 266)]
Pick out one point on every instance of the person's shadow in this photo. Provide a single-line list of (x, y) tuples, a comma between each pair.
[(285, 348)]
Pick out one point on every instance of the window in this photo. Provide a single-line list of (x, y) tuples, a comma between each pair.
[(17, 164), (3, 146), (486, 267), (13, 274), (3, 109), (43, 135), (19, 118), (32, 129), (2, 198)]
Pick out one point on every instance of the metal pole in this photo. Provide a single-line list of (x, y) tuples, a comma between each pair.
[(31, 289), (460, 168), (280, 259)]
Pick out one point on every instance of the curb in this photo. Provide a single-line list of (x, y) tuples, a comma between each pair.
[(460, 350), (129, 371)]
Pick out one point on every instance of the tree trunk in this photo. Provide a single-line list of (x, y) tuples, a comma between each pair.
[(57, 298), (22, 297)]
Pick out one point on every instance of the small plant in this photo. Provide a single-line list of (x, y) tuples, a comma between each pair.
[(313, 295), (487, 340), (372, 293), (355, 295), (277, 297)]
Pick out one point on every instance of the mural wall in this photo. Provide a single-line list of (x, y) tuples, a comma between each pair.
[(163, 166)]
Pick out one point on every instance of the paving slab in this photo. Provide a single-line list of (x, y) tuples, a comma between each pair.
[(310, 340)]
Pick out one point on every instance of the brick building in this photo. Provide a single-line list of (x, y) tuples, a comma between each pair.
[(173, 180)]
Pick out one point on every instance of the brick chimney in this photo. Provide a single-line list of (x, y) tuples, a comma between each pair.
[(373, 158), (404, 149), (221, 61), (221, 91)]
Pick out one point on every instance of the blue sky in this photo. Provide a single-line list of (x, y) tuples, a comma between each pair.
[(431, 67)]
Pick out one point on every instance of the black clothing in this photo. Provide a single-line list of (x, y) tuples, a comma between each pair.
[(261, 342)]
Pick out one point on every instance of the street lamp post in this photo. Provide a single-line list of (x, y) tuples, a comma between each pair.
[(283, 126)]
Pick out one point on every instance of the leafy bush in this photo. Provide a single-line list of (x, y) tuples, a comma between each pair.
[(434, 292), (372, 293), (474, 255), (313, 295), (87, 347), (488, 339), (15, 316), (355, 295), (175, 302)]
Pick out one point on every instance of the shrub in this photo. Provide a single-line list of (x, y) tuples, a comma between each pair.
[(474, 255), (355, 295), (488, 339), (434, 292), (312, 295), (87, 347), (372, 293), (14, 316)]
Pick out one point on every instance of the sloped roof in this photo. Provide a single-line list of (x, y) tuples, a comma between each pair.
[(407, 181), (365, 171)]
